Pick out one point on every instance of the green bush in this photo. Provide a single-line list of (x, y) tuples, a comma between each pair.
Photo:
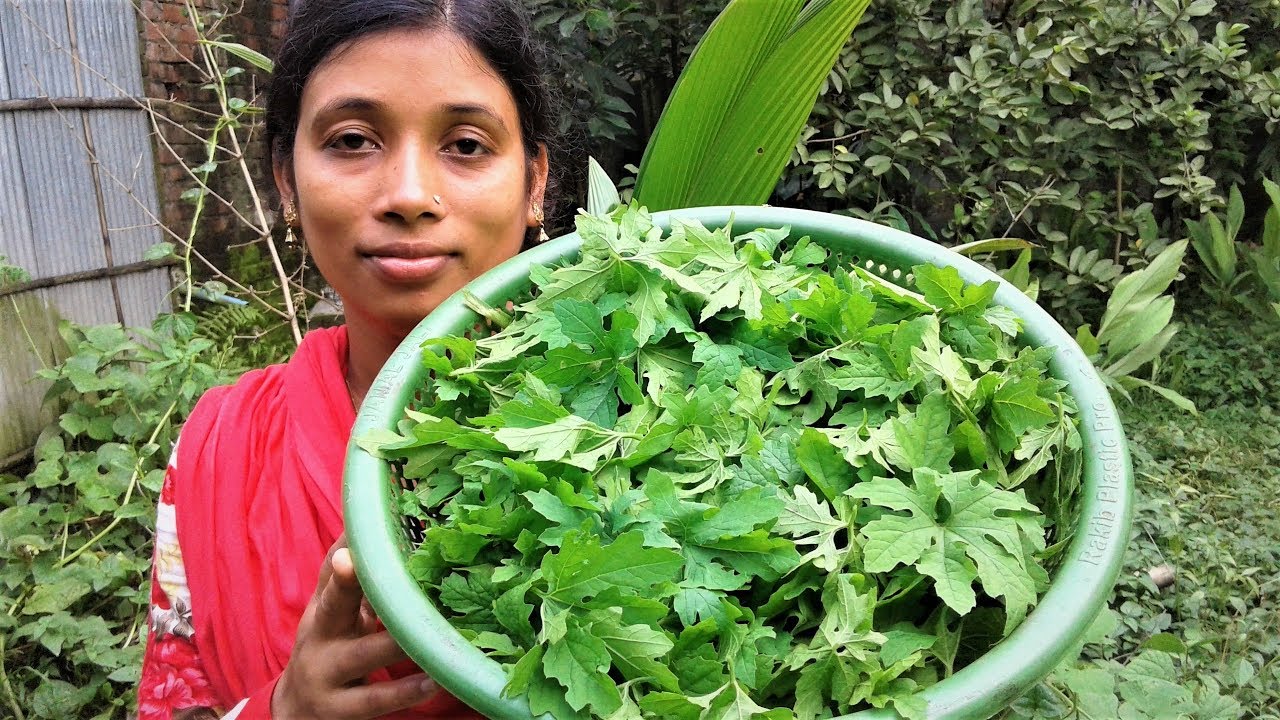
[(1069, 122), (75, 533), (972, 118)]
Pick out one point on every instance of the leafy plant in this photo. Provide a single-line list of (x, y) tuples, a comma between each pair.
[(1266, 259), (1136, 327), (1150, 686), (1215, 244), (225, 162), (11, 274), (242, 337), (74, 533), (737, 474), (617, 60)]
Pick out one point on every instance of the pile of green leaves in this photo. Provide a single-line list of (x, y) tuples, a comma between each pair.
[(702, 476)]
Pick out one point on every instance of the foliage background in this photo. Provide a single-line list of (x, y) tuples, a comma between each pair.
[(1093, 128)]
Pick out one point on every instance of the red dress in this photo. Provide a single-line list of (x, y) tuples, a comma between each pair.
[(253, 491)]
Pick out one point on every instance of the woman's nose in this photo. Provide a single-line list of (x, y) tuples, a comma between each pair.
[(412, 187)]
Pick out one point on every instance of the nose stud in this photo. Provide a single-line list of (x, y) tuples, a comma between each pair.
[(436, 198)]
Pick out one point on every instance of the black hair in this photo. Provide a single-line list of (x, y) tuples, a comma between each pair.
[(499, 29)]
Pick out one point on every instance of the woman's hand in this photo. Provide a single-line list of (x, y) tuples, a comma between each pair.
[(338, 644)]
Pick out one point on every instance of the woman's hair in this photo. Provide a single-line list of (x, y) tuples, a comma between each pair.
[(498, 29)]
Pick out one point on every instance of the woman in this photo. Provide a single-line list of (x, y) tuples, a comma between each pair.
[(409, 143)]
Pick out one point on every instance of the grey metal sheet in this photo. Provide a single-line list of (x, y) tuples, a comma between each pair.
[(144, 296), (15, 222), (38, 48), (65, 227), (4, 67), (49, 216), (126, 175), (89, 303), (107, 40)]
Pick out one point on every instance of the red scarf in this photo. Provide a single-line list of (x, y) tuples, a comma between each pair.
[(259, 503)]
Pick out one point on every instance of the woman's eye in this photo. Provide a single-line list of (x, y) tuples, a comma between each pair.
[(468, 146), (351, 141)]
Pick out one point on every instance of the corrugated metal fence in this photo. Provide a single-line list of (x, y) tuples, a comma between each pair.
[(78, 205)]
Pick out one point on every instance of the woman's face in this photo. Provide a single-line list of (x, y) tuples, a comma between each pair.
[(409, 173)]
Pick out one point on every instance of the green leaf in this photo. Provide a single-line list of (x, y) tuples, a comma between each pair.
[(809, 520), (871, 373), (1165, 642), (649, 302), (159, 251), (249, 55), (523, 672), (732, 702), (581, 322), (902, 641), (994, 245), (636, 651), (943, 288), (1244, 672), (556, 441), (1017, 408), (1235, 215), (741, 101), (1150, 682), (58, 699), (1271, 221), (602, 194), (583, 567), (978, 536), (1136, 291), (824, 465), (720, 363), (1169, 394), (921, 439), (580, 661), (1094, 690), (1148, 350)]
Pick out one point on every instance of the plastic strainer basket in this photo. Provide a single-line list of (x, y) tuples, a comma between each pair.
[(382, 539)]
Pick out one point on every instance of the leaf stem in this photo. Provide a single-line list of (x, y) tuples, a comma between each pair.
[(132, 631), (4, 682)]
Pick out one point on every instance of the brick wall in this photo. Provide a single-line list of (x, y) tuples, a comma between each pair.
[(169, 49)]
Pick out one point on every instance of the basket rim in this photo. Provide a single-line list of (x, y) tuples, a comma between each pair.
[(1079, 588)]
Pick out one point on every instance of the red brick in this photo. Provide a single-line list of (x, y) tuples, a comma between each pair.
[(172, 13), (156, 53), (185, 38), (151, 9)]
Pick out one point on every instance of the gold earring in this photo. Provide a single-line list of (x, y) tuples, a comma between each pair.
[(538, 218), (290, 219)]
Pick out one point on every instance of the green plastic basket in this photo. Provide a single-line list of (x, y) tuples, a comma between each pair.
[(382, 539)]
